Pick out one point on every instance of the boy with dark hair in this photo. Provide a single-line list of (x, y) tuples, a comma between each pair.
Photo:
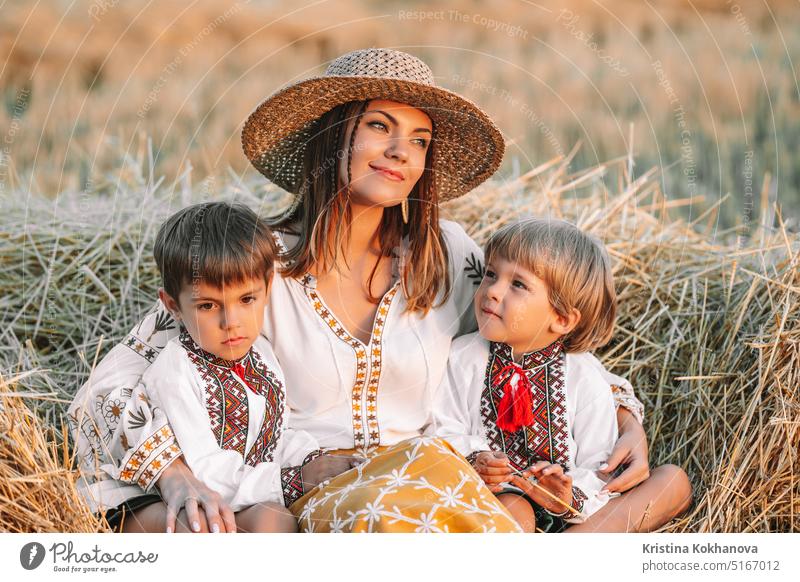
[(217, 388)]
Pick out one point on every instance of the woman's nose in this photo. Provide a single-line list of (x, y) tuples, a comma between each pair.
[(397, 150)]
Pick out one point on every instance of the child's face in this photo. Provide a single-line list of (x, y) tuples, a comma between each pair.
[(512, 306), (224, 321)]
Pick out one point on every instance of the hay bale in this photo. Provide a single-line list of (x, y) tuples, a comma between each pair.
[(708, 329), (37, 484)]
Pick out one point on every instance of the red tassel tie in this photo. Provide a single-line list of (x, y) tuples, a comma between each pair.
[(516, 405), (238, 369)]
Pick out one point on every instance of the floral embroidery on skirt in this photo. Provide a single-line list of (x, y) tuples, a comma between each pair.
[(418, 485)]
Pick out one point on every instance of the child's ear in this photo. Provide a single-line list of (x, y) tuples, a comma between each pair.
[(169, 303), (565, 324)]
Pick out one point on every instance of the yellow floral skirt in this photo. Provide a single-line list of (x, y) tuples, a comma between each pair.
[(418, 485)]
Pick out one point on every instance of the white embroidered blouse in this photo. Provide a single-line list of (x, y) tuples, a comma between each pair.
[(346, 394), (354, 395), (574, 417)]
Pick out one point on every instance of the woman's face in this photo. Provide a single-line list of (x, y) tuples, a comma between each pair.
[(388, 154)]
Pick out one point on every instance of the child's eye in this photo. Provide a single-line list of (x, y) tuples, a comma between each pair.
[(378, 125), (489, 274), (249, 299), (205, 306), (519, 284)]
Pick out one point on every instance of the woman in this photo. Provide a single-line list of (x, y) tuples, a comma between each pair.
[(374, 287)]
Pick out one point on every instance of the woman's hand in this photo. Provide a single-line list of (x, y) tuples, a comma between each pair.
[(550, 477), (180, 488), (494, 469), (630, 450), (326, 467)]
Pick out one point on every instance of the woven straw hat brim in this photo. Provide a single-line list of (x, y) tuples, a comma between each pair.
[(469, 147)]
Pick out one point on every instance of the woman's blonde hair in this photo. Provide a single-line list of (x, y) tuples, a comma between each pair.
[(574, 266), (321, 218)]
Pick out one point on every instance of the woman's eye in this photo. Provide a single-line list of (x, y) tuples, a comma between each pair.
[(423, 143), (377, 124)]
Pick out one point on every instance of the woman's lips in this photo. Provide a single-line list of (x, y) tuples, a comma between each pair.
[(387, 173)]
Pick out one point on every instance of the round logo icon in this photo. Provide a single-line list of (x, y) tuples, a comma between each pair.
[(31, 555)]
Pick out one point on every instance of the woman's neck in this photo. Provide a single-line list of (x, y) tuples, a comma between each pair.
[(364, 228)]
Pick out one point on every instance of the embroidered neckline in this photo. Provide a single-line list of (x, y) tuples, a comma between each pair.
[(188, 342), (529, 359), (226, 399), (366, 432), (547, 438)]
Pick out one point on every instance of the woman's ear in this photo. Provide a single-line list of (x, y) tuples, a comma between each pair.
[(564, 324), (169, 303)]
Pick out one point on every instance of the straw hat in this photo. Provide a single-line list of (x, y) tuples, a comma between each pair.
[(469, 147)]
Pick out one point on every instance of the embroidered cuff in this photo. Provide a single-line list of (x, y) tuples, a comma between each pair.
[(145, 465), (624, 396), (292, 479), (578, 498), (472, 457), (292, 485)]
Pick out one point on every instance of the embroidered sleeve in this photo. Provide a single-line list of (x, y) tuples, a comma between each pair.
[(107, 418), (466, 263), (153, 446), (624, 396), (578, 499), (292, 479)]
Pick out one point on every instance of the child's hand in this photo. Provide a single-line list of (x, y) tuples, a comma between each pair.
[(326, 467), (550, 477), (494, 469)]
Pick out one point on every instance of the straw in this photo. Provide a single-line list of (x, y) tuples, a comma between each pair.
[(708, 327)]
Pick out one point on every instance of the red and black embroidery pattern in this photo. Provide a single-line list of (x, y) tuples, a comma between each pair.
[(546, 439), (226, 400), (292, 479)]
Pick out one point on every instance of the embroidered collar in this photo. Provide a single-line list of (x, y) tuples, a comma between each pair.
[(530, 359), (188, 342)]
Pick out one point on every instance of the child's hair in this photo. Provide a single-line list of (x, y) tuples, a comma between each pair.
[(576, 269), (216, 242)]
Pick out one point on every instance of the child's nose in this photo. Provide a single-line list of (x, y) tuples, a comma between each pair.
[(495, 291), (230, 319)]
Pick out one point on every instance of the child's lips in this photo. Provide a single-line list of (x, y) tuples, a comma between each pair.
[(490, 313), (234, 341)]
